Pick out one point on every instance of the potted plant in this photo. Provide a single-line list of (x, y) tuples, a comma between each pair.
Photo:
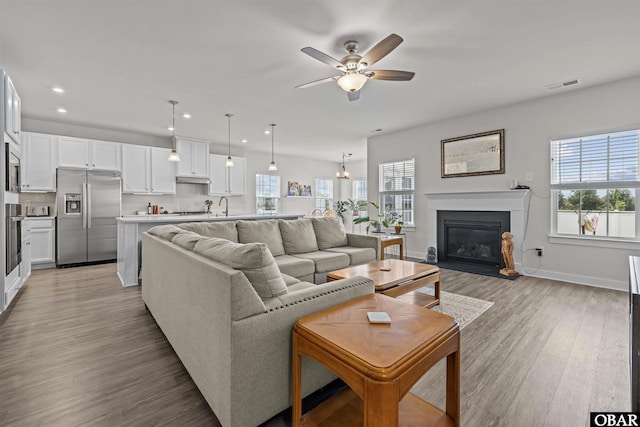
[(341, 208), (385, 220), (398, 226), (355, 207)]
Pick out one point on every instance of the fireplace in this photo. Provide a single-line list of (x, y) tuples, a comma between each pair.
[(472, 236)]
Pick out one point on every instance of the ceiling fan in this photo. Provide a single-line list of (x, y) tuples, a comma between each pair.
[(353, 67)]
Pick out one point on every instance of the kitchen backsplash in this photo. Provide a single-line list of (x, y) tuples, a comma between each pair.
[(188, 197)]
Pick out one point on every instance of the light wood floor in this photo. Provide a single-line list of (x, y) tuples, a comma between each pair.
[(78, 349)]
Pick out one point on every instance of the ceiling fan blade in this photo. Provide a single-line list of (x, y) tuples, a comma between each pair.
[(353, 96), (323, 57), (317, 82), (390, 75), (381, 50)]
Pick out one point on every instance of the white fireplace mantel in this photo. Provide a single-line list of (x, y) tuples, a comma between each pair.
[(514, 201)]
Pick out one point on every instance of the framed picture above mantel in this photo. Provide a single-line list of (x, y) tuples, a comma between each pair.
[(472, 155)]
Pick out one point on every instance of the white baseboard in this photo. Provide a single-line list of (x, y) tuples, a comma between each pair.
[(597, 282)]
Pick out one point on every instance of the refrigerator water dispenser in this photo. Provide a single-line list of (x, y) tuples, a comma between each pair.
[(72, 204)]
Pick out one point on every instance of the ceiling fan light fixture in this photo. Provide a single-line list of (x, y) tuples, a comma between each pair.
[(352, 81)]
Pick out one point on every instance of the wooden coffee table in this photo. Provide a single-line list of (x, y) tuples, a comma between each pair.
[(379, 362), (403, 278)]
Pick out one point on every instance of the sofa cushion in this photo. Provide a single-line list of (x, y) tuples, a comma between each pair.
[(289, 281), (327, 261), (223, 229), (166, 232), (298, 236), (263, 231), (330, 232), (186, 239), (253, 259), (357, 256), (295, 266)]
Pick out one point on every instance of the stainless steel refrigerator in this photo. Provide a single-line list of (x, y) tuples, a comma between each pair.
[(88, 203)]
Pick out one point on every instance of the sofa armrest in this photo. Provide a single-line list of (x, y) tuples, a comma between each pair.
[(327, 294), (364, 241)]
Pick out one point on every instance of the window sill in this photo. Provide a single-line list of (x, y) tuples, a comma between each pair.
[(599, 242)]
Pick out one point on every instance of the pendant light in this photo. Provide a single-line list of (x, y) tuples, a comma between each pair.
[(272, 165), (343, 174), (173, 156), (229, 162)]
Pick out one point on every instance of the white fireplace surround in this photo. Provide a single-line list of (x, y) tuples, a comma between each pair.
[(514, 201)]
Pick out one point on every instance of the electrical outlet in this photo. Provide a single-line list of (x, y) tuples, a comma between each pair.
[(539, 250)]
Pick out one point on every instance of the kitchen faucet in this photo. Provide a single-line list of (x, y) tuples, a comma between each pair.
[(226, 205)]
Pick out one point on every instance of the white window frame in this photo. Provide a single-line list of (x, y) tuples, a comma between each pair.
[(405, 188), (581, 180), (324, 200), (273, 194), (355, 196)]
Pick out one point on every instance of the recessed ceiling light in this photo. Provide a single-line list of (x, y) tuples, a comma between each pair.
[(267, 131), (57, 89), (170, 128), (61, 110), (186, 115), (377, 130), (244, 141)]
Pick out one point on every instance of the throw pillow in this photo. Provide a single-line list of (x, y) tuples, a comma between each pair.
[(253, 259), (223, 229), (330, 232), (166, 232), (264, 231), (298, 236), (186, 239)]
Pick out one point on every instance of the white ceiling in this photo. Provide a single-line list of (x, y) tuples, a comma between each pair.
[(121, 61)]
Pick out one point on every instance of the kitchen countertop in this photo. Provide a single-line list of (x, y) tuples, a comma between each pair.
[(175, 218)]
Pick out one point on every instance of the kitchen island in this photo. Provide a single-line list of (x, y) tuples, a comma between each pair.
[(131, 227)]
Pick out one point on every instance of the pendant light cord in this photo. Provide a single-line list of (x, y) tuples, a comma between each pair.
[(272, 130), (229, 127)]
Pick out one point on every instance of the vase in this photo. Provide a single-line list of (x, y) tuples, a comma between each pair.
[(378, 228)]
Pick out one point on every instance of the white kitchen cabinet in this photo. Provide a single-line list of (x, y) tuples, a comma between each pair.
[(194, 157), (104, 155), (135, 169), (147, 170), (88, 154), (25, 266), (12, 112), (43, 239), (227, 181), (163, 172), (39, 159)]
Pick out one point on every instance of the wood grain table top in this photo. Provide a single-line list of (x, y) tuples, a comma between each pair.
[(381, 350), (400, 271)]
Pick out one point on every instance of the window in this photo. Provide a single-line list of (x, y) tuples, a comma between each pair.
[(324, 194), (359, 195), (267, 194), (594, 181), (396, 189)]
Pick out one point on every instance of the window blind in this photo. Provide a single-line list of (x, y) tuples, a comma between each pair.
[(590, 162), (397, 177)]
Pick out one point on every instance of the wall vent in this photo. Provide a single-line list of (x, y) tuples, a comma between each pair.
[(559, 85)]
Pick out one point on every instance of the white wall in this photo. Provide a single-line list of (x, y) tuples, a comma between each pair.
[(528, 128)]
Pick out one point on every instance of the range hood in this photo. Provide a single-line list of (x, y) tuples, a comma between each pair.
[(192, 180)]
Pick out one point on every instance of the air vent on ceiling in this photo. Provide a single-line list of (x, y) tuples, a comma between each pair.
[(554, 86)]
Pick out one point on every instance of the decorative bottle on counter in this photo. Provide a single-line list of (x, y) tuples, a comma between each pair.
[(149, 209)]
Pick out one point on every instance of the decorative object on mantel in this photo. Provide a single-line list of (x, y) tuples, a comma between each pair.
[(472, 155), (298, 190), (342, 173), (229, 162), (272, 165), (173, 156), (507, 254)]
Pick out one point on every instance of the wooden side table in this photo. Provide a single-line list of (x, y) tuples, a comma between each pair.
[(387, 241), (379, 362)]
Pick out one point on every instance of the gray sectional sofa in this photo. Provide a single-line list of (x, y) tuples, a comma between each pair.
[(227, 303)]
